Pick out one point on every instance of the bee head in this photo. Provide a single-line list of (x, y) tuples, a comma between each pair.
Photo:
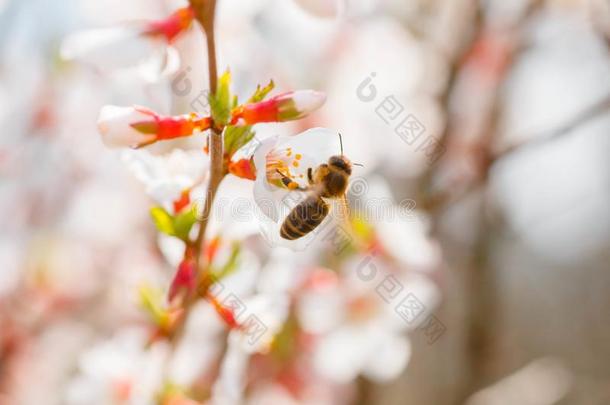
[(342, 163)]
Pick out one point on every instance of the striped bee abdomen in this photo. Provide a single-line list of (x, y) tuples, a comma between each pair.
[(303, 218)]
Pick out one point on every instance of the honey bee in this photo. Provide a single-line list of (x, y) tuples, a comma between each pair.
[(327, 181)]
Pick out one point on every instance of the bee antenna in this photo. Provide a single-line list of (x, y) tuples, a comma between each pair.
[(341, 142), (358, 164)]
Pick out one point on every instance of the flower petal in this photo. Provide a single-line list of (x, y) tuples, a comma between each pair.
[(320, 311), (109, 48), (406, 239), (262, 191), (389, 358), (126, 48), (114, 124), (323, 8), (307, 101), (292, 156), (267, 313), (167, 176), (341, 355), (315, 145), (162, 61), (228, 388), (171, 248), (234, 215)]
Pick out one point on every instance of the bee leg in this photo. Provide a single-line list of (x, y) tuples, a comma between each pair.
[(289, 183), (310, 176)]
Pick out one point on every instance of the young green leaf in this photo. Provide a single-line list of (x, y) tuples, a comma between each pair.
[(178, 226), (163, 220), (222, 102), (151, 300), (231, 264), (237, 136), (183, 223), (261, 92)]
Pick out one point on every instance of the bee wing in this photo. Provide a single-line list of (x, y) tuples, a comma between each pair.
[(341, 214), (345, 213)]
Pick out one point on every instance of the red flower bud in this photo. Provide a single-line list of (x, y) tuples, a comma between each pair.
[(138, 126), (289, 106)]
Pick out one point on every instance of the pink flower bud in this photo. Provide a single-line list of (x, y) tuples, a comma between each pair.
[(289, 106), (114, 124), (138, 126)]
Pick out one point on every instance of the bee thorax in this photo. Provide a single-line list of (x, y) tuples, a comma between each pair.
[(335, 185)]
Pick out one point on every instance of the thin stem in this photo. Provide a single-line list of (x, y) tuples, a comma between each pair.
[(204, 13), (217, 173), (211, 44), (217, 169)]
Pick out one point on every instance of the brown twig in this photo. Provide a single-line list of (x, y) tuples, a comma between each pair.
[(594, 110), (204, 14), (455, 64), (442, 201)]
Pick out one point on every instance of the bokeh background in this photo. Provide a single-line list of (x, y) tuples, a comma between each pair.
[(515, 93)]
